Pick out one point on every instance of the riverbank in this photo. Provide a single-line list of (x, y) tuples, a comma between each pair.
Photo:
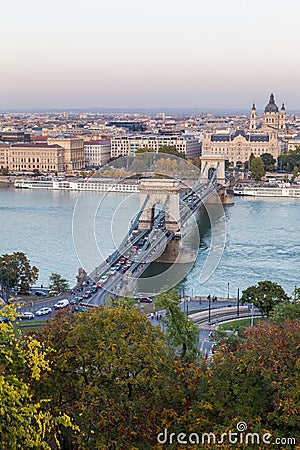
[(9, 180)]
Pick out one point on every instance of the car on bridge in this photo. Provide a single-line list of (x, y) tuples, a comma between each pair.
[(103, 278), (93, 289), (75, 300)]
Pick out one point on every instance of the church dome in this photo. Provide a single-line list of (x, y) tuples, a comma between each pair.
[(271, 106)]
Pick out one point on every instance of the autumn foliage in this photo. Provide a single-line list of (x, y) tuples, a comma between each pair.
[(118, 382)]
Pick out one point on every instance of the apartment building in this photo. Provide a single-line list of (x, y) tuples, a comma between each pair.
[(4, 156), (97, 153), (187, 146)]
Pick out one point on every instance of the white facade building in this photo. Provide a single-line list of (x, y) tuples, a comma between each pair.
[(187, 146), (97, 153)]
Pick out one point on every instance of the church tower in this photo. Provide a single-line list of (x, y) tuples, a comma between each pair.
[(253, 118), (282, 119), (270, 120)]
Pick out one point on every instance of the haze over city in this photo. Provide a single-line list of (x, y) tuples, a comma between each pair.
[(160, 54)]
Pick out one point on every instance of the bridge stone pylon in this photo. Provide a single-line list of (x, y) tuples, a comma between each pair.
[(213, 163), (165, 192)]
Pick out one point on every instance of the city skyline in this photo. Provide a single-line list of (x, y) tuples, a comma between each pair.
[(127, 55)]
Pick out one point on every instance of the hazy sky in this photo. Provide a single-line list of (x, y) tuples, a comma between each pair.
[(159, 53)]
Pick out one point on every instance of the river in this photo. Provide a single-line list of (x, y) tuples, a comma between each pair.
[(261, 240)]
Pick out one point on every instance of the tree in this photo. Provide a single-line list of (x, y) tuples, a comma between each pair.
[(289, 161), (181, 333), (257, 381), (58, 283), (144, 150), (16, 271), (113, 372), (285, 311), (257, 168), (170, 150), (295, 174), (265, 296), (4, 171), (269, 162), (24, 422)]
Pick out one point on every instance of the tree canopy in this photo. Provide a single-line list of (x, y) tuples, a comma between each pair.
[(16, 271), (170, 150), (114, 381), (268, 161), (286, 311), (111, 368), (58, 283), (265, 295), (257, 168), (181, 332), (25, 423), (289, 160), (144, 150)]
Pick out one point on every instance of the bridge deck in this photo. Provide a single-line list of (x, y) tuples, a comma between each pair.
[(140, 248)]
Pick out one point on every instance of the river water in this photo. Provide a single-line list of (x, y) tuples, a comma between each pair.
[(61, 231)]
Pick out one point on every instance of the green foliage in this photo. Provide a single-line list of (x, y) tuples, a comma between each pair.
[(24, 422), (181, 333), (257, 168), (16, 271), (144, 150), (169, 149), (296, 294), (265, 295), (295, 174), (4, 171), (289, 161), (256, 381), (269, 162), (58, 283), (143, 160), (111, 371), (285, 311)]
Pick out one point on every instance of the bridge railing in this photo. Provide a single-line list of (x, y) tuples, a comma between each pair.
[(99, 270)]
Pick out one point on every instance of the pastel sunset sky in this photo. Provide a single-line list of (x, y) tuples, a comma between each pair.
[(159, 53)]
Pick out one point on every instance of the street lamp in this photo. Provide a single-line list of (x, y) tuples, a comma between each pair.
[(252, 320), (209, 309), (238, 303), (228, 290)]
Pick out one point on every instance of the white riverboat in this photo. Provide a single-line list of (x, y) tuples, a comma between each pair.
[(83, 185), (284, 190)]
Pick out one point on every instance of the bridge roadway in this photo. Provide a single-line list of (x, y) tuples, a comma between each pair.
[(140, 248)]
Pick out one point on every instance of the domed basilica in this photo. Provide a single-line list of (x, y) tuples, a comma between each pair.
[(261, 137)]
